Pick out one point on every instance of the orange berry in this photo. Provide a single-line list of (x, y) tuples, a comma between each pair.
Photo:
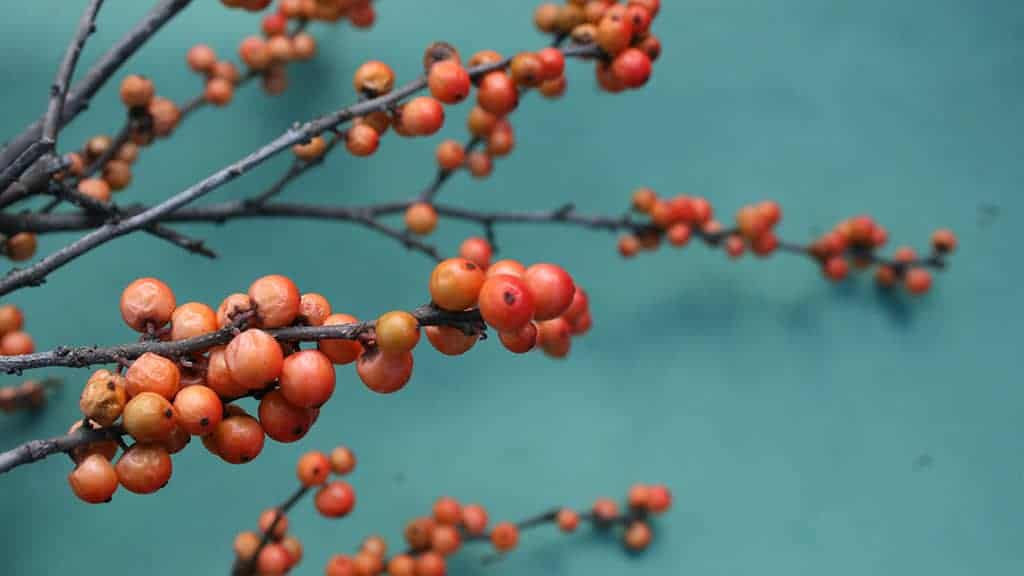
[(659, 499), (219, 91), (944, 241), (638, 497), (917, 281), (192, 319), (545, 17), (136, 91), (270, 522), (311, 150), (637, 536), (11, 319), (303, 46), (153, 373), (397, 331), (449, 340), (335, 499), (448, 82), (497, 93), (383, 372), (255, 53), (283, 421), (614, 31), (94, 480), (455, 284), (474, 519), (505, 536), (507, 267), (273, 559), (201, 58), (632, 67), (629, 246), (480, 122), (103, 397), (605, 510), (149, 417), (362, 140), (480, 164), (450, 155), (422, 116), (95, 188), (421, 218), (340, 565), (836, 268), (567, 520), (199, 409), (552, 289), (338, 350), (21, 246), (445, 540), (219, 378), (147, 301), (520, 341), (144, 468), (238, 438), (374, 78), (314, 309), (554, 337), (343, 460), (254, 358), (447, 511), (401, 565), (307, 378), (276, 300), (418, 533)]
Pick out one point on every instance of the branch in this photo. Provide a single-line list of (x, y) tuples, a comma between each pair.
[(36, 274), (78, 98), (243, 567), (58, 93)]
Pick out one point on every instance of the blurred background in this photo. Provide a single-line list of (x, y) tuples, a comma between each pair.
[(805, 428)]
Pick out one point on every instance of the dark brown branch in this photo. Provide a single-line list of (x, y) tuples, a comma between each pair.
[(80, 95), (36, 274), (36, 450)]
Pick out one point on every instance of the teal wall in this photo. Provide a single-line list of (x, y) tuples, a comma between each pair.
[(786, 413)]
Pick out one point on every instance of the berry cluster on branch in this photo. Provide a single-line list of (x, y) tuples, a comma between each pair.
[(430, 539)]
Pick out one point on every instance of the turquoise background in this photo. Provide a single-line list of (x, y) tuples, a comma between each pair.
[(805, 428)]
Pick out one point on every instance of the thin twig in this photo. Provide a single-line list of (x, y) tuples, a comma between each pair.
[(248, 566)]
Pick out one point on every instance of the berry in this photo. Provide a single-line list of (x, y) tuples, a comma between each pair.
[(445, 540), (273, 559), (232, 308), (313, 309), (455, 284), (254, 359), (480, 164), (385, 373), (836, 268), (270, 522), (474, 519), (136, 91), (614, 32), (343, 460), (678, 234), (338, 350), (605, 510), (311, 150), (303, 46), (449, 82), (147, 301), (527, 69), (505, 536), (219, 91), (554, 337), (944, 241), (153, 373), (632, 67), (313, 469), (276, 300), (480, 122), (16, 343), (659, 499), (447, 511), (501, 140), (201, 58), (95, 188), (422, 116), (362, 140), (449, 340), (497, 93), (94, 479), (507, 303), (246, 544), (335, 499), (192, 319), (401, 565), (199, 409), (144, 468), (450, 155), (283, 421), (508, 267), (521, 341), (552, 289), (254, 52), (149, 417), (917, 281), (421, 218), (340, 565), (307, 378), (477, 250), (374, 78), (219, 379), (552, 63), (103, 397), (238, 438), (567, 520), (637, 536), (638, 496), (629, 246)]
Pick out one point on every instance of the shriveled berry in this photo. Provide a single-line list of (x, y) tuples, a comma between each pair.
[(276, 299), (314, 309), (104, 397), (374, 78), (145, 302), (153, 373)]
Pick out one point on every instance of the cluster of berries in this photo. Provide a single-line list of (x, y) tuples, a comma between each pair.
[(359, 12), (272, 550)]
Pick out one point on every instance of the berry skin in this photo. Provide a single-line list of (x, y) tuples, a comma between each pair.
[(505, 536), (94, 480), (238, 438), (199, 409), (267, 519), (445, 540), (418, 533), (751, 222), (552, 63), (338, 350), (477, 250), (553, 88), (765, 244), (335, 500), (447, 511), (527, 69), (276, 299), (104, 397), (450, 155), (254, 359), (678, 235), (283, 421), (219, 91), (311, 150), (313, 469), (431, 564), (521, 341), (397, 331), (144, 468), (233, 307), (480, 164), (422, 116), (385, 373), (136, 91), (421, 218), (567, 520), (219, 379), (734, 246), (314, 309), (147, 301), (497, 94), (343, 460), (614, 32), (480, 122), (917, 281), (153, 373), (273, 559), (836, 268), (254, 52), (449, 340), (449, 82), (507, 303), (508, 267), (149, 417), (201, 58), (580, 306), (192, 319), (638, 536), (659, 499), (944, 241), (474, 519), (554, 337), (501, 141), (362, 140), (455, 284), (303, 46), (95, 188), (632, 67), (552, 290), (307, 378)]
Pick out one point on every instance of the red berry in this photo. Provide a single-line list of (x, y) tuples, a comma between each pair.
[(567, 520), (918, 281), (520, 341), (254, 359), (505, 536), (144, 468), (238, 438), (338, 350), (336, 499), (497, 93), (554, 337), (94, 479), (314, 309), (474, 519), (422, 116), (283, 421), (836, 268), (552, 63), (552, 289), (313, 469), (449, 340), (385, 373), (632, 67), (455, 284), (450, 155), (659, 499), (199, 409), (477, 250), (276, 299), (507, 303), (449, 82), (944, 241)]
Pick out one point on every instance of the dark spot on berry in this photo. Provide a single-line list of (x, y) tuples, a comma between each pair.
[(298, 431), (168, 413), (469, 266), (509, 297), (204, 421), (110, 385), (245, 458), (316, 471)]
